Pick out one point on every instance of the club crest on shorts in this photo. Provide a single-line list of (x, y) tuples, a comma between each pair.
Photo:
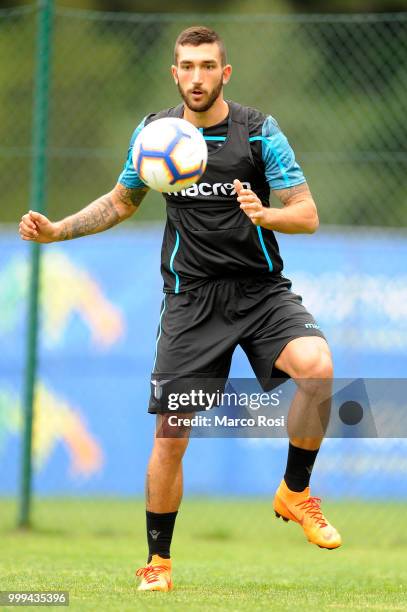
[(158, 388)]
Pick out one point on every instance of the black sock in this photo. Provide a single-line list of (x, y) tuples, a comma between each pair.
[(159, 533), (299, 467)]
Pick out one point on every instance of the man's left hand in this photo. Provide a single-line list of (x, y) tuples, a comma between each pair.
[(251, 205)]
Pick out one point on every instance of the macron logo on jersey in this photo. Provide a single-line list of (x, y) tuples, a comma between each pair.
[(206, 189)]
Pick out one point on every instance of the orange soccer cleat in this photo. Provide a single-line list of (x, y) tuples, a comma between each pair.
[(156, 575), (306, 510)]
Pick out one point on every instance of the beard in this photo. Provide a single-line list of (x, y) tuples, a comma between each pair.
[(204, 105)]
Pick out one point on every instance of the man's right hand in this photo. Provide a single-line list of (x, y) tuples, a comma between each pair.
[(105, 212), (36, 227)]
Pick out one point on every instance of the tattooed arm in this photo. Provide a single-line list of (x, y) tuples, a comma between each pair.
[(297, 216), (299, 213), (100, 215)]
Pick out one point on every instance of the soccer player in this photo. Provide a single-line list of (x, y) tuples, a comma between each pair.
[(223, 286)]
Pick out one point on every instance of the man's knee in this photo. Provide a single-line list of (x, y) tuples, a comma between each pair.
[(314, 372), (306, 357), (315, 364)]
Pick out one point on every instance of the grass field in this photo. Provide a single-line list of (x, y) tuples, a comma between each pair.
[(228, 555)]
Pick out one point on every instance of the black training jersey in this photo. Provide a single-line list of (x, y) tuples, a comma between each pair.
[(207, 236)]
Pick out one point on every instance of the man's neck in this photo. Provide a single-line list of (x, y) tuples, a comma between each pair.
[(217, 113)]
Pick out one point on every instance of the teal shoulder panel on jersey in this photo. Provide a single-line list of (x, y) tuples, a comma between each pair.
[(129, 177), (281, 168)]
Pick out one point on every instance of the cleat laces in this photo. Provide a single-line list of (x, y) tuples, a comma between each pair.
[(150, 573), (312, 507)]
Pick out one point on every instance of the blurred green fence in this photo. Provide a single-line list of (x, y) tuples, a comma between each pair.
[(336, 84)]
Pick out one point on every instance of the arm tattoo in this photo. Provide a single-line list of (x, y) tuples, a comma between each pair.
[(103, 213), (98, 216), (292, 193), (131, 197)]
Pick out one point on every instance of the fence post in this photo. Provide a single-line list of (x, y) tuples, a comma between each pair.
[(37, 202)]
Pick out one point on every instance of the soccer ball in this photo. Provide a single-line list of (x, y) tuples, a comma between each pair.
[(170, 154)]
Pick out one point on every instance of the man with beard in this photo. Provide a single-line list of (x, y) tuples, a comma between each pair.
[(223, 287)]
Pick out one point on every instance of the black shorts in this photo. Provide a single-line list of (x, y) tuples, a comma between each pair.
[(200, 329)]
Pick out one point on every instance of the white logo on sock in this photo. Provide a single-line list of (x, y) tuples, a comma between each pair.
[(154, 534)]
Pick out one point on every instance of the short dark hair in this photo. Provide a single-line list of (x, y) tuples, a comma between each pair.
[(200, 35)]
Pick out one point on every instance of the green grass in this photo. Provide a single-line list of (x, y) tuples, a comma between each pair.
[(227, 555)]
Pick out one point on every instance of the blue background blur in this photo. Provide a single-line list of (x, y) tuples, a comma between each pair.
[(343, 278)]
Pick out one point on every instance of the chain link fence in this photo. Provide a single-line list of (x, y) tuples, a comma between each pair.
[(336, 85)]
